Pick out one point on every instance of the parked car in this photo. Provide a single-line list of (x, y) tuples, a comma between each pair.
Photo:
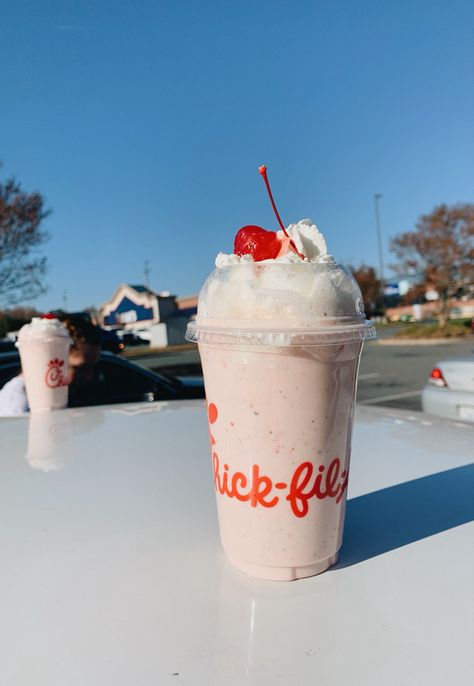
[(145, 334), (112, 573), (117, 380), (6, 345), (110, 341), (450, 390), (132, 339)]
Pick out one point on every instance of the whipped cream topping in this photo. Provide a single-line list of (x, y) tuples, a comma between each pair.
[(286, 288), (308, 240), (42, 328), (307, 293)]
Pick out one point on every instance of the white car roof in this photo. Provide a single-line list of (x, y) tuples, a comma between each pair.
[(112, 573)]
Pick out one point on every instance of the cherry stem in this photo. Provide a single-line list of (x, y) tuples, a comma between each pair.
[(263, 171)]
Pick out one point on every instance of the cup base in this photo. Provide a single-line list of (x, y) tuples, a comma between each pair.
[(49, 408), (284, 573)]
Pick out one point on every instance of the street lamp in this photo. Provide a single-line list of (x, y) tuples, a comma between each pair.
[(377, 197), (147, 271)]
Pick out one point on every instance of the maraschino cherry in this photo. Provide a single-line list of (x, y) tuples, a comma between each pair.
[(48, 315), (260, 243)]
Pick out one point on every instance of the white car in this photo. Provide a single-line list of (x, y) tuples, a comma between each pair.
[(112, 573), (450, 390)]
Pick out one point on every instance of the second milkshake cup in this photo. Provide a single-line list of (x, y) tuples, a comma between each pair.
[(44, 351)]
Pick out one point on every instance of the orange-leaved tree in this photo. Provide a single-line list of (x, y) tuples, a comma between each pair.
[(440, 252), (370, 287)]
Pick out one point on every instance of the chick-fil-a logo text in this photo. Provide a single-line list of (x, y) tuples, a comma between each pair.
[(54, 376), (307, 481)]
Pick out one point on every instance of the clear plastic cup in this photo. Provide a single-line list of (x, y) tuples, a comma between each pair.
[(44, 352), (280, 395)]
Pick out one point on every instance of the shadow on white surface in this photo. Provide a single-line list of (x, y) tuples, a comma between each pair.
[(396, 516)]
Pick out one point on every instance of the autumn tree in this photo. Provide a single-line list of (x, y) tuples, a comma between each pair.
[(21, 268), (370, 287), (415, 294), (441, 251), (12, 320)]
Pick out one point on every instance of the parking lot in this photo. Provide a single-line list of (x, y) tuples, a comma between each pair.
[(394, 375), (390, 375)]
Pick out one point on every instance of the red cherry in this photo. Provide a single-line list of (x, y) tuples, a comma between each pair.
[(262, 244), (48, 316), (255, 241)]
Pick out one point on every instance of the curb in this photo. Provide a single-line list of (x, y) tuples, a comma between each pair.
[(423, 341)]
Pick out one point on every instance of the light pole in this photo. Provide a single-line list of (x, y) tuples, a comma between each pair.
[(377, 197), (147, 271)]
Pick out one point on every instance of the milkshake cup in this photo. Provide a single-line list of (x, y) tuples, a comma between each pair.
[(280, 328), (44, 352), (280, 389)]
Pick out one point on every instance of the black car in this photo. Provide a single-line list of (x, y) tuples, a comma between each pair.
[(117, 380), (132, 339), (7, 345), (110, 342)]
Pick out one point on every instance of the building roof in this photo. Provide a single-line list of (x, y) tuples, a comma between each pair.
[(184, 301), (185, 312), (141, 289)]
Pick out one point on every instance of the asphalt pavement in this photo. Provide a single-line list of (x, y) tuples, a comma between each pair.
[(394, 375), (391, 375)]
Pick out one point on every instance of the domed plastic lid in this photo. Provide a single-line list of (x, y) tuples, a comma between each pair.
[(43, 329), (280, 304)]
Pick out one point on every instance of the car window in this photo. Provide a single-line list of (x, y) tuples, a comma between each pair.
[(115, 383), (8, 371)]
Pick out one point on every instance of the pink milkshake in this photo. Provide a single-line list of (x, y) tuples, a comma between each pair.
[(280, 341), (44, 352)]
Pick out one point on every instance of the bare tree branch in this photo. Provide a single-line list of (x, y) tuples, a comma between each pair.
[(21, 272)]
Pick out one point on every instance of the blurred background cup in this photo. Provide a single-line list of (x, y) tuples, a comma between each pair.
[(44, 351)]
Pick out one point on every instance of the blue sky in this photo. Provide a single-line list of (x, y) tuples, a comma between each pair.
[(143, 123)]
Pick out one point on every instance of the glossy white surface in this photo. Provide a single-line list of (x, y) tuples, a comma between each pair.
[(111, 571), (444, 402)]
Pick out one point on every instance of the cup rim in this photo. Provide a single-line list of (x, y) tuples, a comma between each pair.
[(312, 334)]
